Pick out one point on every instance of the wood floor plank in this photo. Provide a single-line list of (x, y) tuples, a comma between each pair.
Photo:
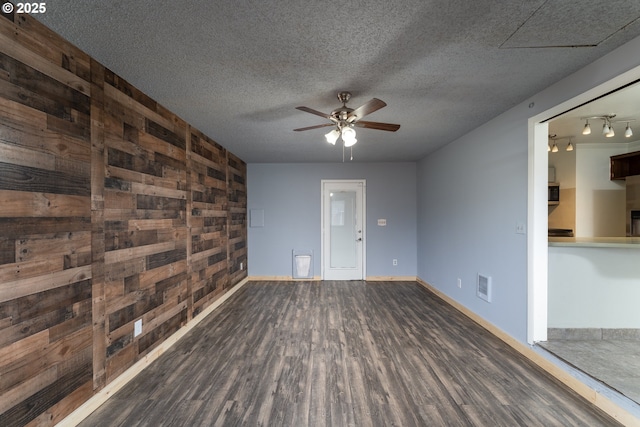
[(342, 354)]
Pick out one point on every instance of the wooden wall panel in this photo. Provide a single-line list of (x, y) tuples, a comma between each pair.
[(145, 181), (208, 221), (237, 218), (45, 223), (112, 210)]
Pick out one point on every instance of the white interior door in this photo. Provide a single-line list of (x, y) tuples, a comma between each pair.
[(343, 232)]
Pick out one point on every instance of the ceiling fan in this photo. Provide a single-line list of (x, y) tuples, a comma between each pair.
[(344, 119)]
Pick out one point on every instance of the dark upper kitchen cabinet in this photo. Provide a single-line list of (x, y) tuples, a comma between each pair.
[(624, 165)]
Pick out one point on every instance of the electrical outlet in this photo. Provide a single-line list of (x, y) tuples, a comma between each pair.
[(459, 282), (520, 228), (137, 328), (395, 262)]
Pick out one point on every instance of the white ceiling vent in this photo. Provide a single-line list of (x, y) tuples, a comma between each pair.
[(483, 289)]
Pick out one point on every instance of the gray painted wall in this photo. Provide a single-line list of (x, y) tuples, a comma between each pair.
[(289, 195), (467, 222), (473, 192)]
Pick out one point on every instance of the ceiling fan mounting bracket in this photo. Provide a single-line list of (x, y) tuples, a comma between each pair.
[(344, 97)]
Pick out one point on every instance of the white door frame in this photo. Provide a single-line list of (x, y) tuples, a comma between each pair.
[(363, 246)]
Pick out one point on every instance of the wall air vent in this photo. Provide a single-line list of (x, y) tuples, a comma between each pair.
[(483, 289)]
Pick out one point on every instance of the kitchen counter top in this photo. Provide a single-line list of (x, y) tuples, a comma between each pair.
[(596, 242)]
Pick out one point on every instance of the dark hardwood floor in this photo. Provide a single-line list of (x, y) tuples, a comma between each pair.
[(342, 354)]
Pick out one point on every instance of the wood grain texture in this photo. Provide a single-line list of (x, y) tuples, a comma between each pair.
[(45, 223), (209, 208), (237, 217), (340, 354), (108, 214), (156, 189)]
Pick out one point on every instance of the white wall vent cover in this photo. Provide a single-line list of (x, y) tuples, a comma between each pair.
[(483, 289)]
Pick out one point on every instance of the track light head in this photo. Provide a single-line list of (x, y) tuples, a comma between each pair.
[(628, 132), (587, 128), (611, 132)]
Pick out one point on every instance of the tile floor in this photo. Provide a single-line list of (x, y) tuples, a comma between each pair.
[(613, 362)]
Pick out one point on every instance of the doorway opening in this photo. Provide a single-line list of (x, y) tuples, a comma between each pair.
[(543, 308)]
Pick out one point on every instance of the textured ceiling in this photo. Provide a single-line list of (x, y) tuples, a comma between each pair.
[(236, 69)]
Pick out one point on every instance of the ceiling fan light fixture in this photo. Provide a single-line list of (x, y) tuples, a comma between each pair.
[(348, 136), (332, 136), (343, 120), (350, 142)]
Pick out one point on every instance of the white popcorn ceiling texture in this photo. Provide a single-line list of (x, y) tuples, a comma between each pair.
[(236, 69)]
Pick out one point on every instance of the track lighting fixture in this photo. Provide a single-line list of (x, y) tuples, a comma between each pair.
[(553, 148), (607, 125), (611, 132), (570, 145)]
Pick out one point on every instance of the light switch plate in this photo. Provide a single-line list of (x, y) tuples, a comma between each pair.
[(382, 222), (137, 328), (521, 228)]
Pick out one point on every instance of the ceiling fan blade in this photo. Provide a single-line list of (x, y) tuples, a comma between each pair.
[(315, 127), (374, 105), (377, 125), (312, 111)]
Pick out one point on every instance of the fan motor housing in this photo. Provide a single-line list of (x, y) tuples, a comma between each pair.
[(340, 114)]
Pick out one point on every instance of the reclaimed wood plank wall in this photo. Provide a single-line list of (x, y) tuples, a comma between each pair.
[(112, 210), (237, 217), (208, 221)]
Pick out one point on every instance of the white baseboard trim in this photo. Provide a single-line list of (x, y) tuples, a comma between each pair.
[(281, 279), (391, 279), (593, 396), (318, 278), (84, 410)]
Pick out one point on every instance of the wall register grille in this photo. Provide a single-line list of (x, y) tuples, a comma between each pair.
[(483, 289)]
